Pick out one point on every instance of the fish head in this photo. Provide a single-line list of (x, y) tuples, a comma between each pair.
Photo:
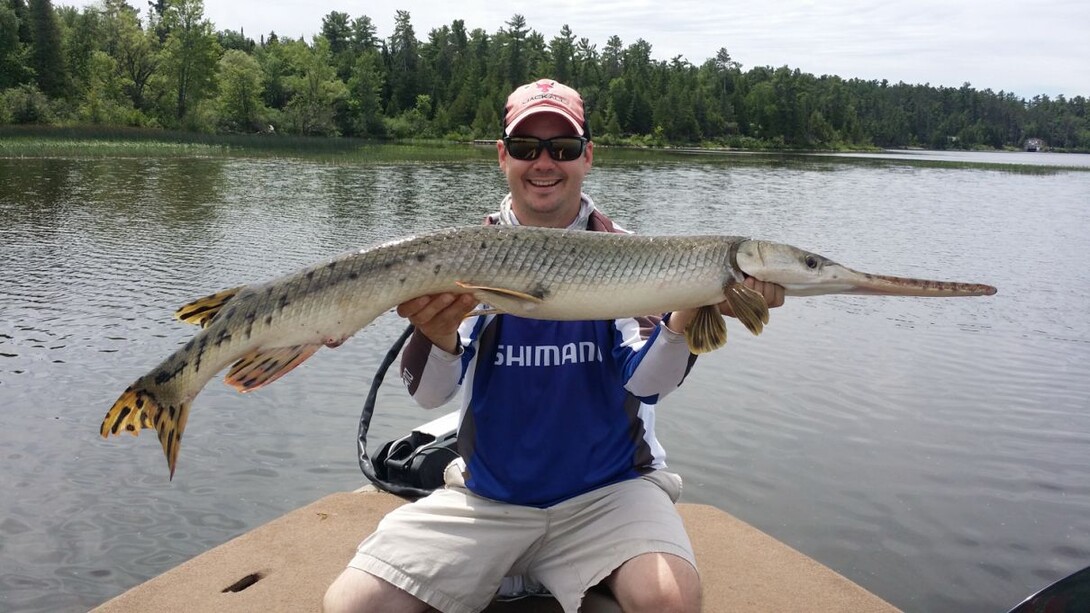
[(802, 273)]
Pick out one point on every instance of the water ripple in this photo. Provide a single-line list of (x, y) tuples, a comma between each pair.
[(930, 450)]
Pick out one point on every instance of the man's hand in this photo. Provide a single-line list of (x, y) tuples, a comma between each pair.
[(438, 316), (773, 295)]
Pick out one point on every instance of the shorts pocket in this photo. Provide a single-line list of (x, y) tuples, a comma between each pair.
[(667, 481)]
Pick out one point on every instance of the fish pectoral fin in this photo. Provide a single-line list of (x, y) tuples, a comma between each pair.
[(707, 331), (136, 409), (749, 307), (501, 299), (482, 292), (263, 366), (202, 310)]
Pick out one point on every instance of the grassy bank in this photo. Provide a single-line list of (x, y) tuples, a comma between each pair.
[(103, 143), (94, 142)]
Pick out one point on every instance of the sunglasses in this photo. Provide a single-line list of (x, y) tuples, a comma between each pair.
[(560, 148)]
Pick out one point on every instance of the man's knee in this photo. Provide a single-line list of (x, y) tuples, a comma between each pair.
[(657, 582), (355, 590), (346, 593)]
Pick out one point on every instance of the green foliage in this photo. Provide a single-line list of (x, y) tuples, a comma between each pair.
[(25, 104), (189, 55), (14, 66), (103, 65), (104, 101), (316, 91), (239, 105), (364, 104), (46, 52)]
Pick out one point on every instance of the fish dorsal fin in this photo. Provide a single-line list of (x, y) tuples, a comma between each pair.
[(202, 310), (263, 366), (749, 307), (707, 331)]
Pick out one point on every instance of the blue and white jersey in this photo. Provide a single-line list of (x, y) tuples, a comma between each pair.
[(552, 409)]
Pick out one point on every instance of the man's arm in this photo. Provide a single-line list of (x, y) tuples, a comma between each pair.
[(430, 366)]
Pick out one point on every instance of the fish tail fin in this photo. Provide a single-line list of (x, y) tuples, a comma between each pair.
[(707, 331), (138, 408)]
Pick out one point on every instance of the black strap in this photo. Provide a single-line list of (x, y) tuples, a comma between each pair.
[(365, 424)]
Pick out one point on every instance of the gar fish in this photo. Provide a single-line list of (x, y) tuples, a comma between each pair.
[(264, 330)]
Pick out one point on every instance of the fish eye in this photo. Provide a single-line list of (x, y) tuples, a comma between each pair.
[(811, 262)]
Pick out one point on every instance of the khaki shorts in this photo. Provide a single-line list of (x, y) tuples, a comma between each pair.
[(453, 548)]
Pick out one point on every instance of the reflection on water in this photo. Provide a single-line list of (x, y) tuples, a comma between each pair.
[(930, 450)]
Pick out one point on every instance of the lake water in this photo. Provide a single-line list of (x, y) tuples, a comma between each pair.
[(936, 452)]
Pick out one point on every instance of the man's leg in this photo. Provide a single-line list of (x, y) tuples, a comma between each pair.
[(627, 535), (355, 591), (656, 582)]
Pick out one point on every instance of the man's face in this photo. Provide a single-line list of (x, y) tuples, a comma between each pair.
[(545, 192)]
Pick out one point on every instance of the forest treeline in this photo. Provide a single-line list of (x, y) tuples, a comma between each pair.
[(167, 66)]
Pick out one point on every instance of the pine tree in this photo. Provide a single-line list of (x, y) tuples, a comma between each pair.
[(46, 55)]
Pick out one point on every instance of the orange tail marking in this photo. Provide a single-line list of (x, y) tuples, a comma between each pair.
[(137, 409)]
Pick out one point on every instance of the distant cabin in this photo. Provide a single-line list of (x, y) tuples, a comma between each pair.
[(1034, 144)]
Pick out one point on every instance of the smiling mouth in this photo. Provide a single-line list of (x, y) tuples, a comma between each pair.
[(543, 183)]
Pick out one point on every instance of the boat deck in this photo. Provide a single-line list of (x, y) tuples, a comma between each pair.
[(287, 564)]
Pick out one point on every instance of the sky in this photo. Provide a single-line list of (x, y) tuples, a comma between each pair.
[(1027, 47)]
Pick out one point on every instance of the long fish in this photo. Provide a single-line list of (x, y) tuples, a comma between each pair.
[(263, 331)]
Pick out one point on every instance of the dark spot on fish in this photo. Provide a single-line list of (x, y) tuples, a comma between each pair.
[(437, 268), (387, 264), (140, 402), (173, 412), (484, 245), (200, 353), (129, 428), (353, 275), (310, 275), (189, 345), (283, 301), (268, 320), (170, 445), (162, 377), (420, 257), (401, 280), (230, 313), (332, 265)]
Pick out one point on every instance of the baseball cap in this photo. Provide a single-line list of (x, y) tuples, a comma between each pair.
[(544, 96)]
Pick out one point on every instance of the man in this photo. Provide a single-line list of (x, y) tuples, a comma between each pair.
[(561, 477)]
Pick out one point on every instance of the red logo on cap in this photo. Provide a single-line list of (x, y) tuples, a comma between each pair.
[(545, 86)]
